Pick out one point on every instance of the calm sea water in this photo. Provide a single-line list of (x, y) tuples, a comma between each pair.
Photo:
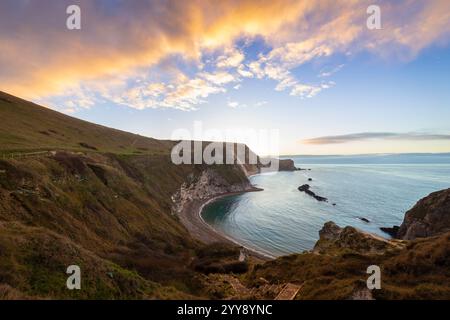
[(282, 220)]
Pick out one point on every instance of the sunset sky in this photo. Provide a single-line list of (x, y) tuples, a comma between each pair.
[(310, 69)]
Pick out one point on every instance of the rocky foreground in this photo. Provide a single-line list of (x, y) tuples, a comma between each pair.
[(417, 266)]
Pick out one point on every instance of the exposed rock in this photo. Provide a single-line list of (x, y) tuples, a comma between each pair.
[(206, 186), (364, 219), (305, 188), (309, 179), (391, 231), (429, 217), (333, 238), (330, 231)]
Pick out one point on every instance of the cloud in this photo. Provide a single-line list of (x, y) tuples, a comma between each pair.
[(233, 104), (236, 104), (182, 93), (218, 78), (232, 58), (260, 103), (365, 136), (243, 71), (126, 45), (330, 72)]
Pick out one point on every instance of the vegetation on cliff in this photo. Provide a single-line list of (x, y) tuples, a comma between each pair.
[(106, 207)]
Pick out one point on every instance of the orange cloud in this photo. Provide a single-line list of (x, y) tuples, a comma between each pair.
[(39, 57)]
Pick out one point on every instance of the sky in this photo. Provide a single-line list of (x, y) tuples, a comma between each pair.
[(285, 77)]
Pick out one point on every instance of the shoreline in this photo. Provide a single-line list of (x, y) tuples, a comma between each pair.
[(191, 217)]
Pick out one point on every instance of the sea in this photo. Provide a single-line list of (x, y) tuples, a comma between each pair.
[(282, 220)]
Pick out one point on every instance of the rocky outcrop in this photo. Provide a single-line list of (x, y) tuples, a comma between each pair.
[(391, 231), (306, 189), (334, 239), (429, 217), (287, 165)]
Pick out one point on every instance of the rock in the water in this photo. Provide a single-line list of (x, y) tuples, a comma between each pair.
[(364, 219), (429, 217), (309, 179), (305, 188), (391, 231)]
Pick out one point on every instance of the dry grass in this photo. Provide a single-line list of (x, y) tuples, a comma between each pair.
[(421, 270)]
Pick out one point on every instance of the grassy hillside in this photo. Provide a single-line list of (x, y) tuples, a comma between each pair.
[(29, 127), (100, 199), (420, 270)]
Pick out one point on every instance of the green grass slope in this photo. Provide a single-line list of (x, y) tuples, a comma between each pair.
[(30, 127), (101, 199)]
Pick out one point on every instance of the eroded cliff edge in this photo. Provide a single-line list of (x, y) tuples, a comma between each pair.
[(194, 193)]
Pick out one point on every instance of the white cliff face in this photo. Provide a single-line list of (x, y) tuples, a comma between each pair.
[(208, 185)]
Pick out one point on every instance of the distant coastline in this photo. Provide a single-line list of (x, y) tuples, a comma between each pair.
[(284, 156)]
